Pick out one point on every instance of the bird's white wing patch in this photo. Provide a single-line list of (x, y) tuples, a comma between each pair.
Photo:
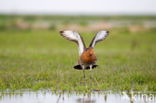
[(99, 37), (74, 36)]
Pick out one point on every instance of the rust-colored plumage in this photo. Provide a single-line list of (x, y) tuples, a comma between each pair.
[(87, 57)]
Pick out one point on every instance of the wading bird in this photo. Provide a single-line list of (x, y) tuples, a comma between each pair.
[(87, 59)]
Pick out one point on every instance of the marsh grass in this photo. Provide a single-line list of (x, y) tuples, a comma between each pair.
[(43, 59)]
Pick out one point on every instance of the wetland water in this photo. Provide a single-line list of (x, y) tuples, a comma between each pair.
[(47, 96)]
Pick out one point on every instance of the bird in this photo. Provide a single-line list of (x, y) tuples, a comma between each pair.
[(87, 57)]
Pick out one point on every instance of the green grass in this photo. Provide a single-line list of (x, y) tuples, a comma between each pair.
[(43, 59)]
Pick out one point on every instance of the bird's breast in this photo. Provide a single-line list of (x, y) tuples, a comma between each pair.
[(87, 58)]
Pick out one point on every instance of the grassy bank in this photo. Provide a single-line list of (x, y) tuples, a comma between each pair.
[(43, 59)]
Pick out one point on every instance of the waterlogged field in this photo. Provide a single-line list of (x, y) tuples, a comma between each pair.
[(40, 59)]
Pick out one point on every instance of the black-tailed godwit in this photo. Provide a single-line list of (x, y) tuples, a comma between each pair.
[(87, 59)]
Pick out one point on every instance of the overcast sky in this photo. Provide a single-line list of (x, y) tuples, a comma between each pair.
[(79, 6)]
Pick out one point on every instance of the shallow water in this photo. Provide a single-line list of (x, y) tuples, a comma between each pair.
[(73, 97)]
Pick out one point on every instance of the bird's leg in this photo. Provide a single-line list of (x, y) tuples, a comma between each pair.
[(84, 75), (83, 71), (90, 66)]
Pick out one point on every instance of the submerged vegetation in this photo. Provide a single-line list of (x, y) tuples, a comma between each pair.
[(40, 59)]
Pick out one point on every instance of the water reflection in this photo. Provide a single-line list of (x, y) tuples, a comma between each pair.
[(84, 99), (46, 96)]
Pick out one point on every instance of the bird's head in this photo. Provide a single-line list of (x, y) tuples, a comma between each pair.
[(90, 52)]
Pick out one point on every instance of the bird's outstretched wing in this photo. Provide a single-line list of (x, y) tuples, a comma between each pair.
[(74, 36), (101, 35)]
